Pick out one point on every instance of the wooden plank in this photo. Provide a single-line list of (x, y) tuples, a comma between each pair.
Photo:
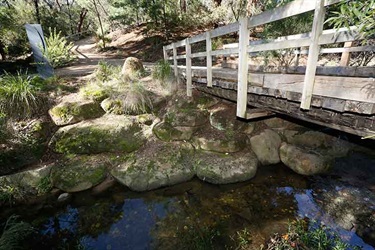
[(180, 43), (242, 68), (351, 49), (199, 54), (181, 57), (188, 68), (312, 60), (230, 28), (291, 9), (209, 59), (345, 57), (256, 113), (175, 62), (346, 88), (224, 52), (198, 38)]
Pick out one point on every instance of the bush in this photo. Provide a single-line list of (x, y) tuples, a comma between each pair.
[(18, 95), (14, 233), (162, 71), (58, 51)]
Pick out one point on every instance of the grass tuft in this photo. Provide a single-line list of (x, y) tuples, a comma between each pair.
[(14, 233)]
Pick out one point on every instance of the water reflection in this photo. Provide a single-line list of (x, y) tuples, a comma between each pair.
[(192, 215)]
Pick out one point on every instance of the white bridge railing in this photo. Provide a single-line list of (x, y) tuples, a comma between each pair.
[(313, 40)]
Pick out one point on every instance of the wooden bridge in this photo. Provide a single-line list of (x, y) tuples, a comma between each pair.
[(342, 98)]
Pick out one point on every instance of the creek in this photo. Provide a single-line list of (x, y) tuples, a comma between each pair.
[(195, 214)]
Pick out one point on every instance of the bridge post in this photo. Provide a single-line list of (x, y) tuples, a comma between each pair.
[(188, 68), (175, 62), (165, 55), (242, 68), (312, 60), (209, 58)]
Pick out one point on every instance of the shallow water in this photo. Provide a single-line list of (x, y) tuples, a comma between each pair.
[(192, 215)]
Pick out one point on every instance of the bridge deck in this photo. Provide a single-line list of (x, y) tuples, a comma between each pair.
[(344, 103)]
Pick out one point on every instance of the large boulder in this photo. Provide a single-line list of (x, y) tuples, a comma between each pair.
[(26, 182), (70, 112), (79, 174), (304, 161), (328, 144), (266, 147), (155, 165), (199, 100), (109, 133), (223, 117), (186, 117), (277, 123), (166, 132), (132, 66), (218, 168)]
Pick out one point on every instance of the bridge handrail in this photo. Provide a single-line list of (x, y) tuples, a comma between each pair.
[(313, 40)]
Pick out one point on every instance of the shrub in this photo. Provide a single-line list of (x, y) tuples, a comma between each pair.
[(106, 72), (162, 71), (58, 51), (18, 95), (14, 233)]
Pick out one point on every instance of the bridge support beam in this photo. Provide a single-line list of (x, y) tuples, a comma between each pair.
[(242, 68)]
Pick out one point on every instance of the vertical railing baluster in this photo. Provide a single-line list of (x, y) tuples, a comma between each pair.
[(209, 58), (312, 60), (188, 68), (175, 62), (242, 68)]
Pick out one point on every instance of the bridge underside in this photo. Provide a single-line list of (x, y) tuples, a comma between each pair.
[(343, 103)]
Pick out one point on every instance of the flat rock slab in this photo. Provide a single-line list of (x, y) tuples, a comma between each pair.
[(155, 165), (166, 132), (109, 133), (217, 168), (75, 110), (79, 174)]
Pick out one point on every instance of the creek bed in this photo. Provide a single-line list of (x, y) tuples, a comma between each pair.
[(192, 215)]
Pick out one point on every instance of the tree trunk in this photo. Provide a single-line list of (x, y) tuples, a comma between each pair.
[(37, 14), (100, 22), (82, 16), (2, 51)]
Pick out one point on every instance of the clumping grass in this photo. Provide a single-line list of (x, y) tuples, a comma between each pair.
[(304, 235), (18, 95), (106, 72), (44, 186), (162, 71), (134, 97), (14, 233)]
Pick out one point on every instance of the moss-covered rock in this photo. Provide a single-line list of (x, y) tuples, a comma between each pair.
[(223, 117), (132, 66), (112, 106), (72, 112), (266, 147), (218, 168), (304, 161), (186, 117), (27, 182), (79, 174), (166, 132), (155, 165), (109, 133), (199, 100)]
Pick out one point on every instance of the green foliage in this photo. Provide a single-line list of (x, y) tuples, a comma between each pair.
[(18, 96), (58, 51), (302, 235), (359, 13), (162, 71), (14, 233), (106, 72), (44, 186)]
